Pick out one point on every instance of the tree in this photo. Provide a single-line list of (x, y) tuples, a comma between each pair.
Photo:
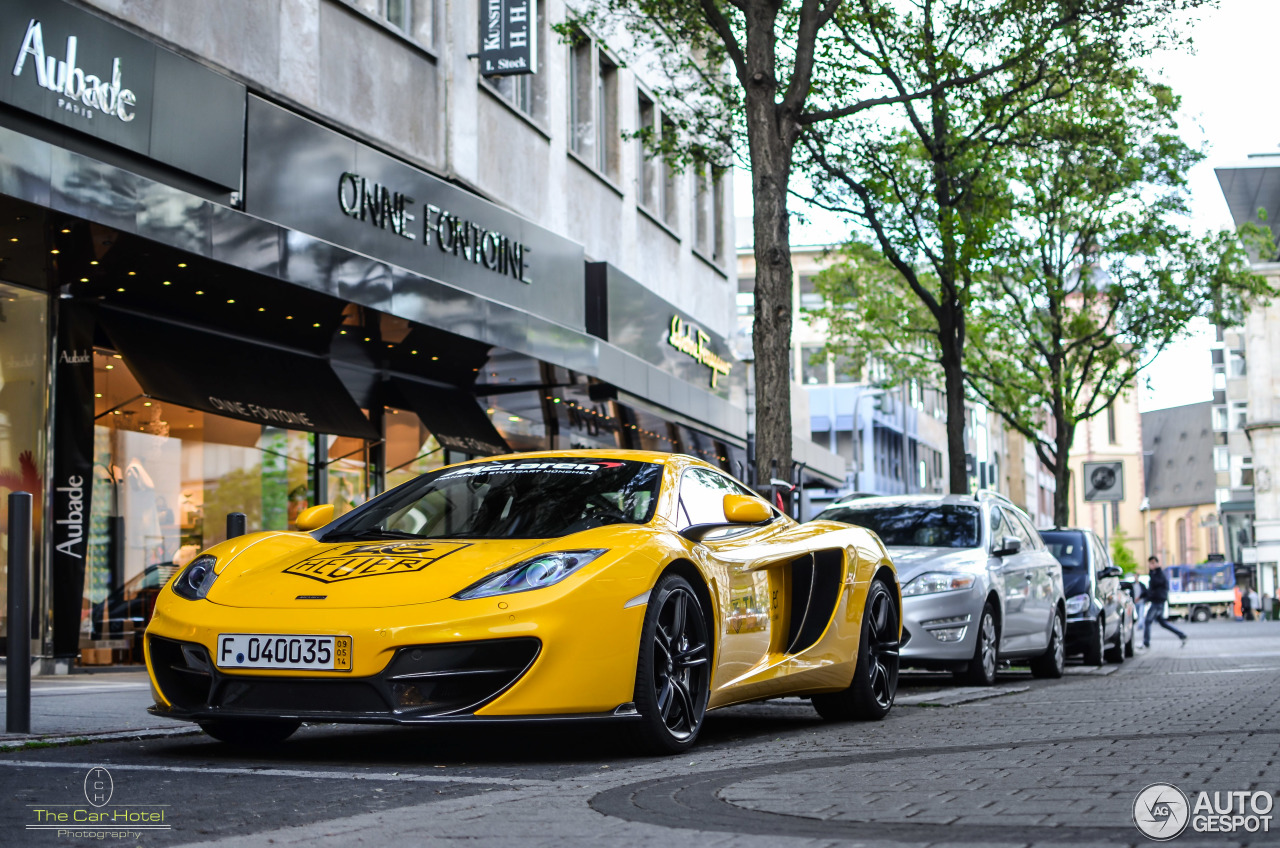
[(767, 72), (1121, 557), (1098, 271), (928, 188)]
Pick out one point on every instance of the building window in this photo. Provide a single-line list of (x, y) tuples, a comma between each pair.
[(1221, 458), (1236, 366), (1152, 547), (1211, 533), (670, 209), (593, 105), (1111, 423), (650, 166), (1219, 419), (526, 92), (398, 13), (1239, 414), (1182, 540), (813, 365), (810, 299), (581, 132)]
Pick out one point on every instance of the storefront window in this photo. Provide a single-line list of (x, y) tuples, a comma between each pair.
[(165, 479), (411, 449), (24, 380)]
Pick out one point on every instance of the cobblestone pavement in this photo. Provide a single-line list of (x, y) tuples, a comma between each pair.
[(1044, 762)]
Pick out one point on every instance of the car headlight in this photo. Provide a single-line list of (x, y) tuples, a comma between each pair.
[(1077, 604), (195, 581), (542, 570), (938, 581)]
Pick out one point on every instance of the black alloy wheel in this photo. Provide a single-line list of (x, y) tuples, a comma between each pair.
[(1052, 663), (250, 732), (982, 668), (1093, 647), (673, 675), (875, 679)]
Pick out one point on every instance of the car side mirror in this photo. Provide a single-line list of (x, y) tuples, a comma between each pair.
[(313, 518), (741, 509), (1008, 545), (1109, 571)]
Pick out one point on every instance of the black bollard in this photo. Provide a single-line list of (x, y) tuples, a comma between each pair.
[(17, 702), (237, 524)]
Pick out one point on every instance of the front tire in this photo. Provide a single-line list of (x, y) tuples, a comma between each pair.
[(982, 668), (875, 679), (1093, 647), (1052, 663), (1128, 646), (250, 732), (673, 673)]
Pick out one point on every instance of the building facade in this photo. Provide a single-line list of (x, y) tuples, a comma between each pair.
[(1182, 515), (286, 252), (1113, 436), (1246, 410)]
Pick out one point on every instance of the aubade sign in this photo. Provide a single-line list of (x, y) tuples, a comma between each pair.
[(73, 68)]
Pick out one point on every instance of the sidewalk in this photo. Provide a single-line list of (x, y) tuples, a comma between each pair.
[(90, 706)]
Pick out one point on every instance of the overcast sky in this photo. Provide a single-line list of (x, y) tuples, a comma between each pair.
[(1226, 107)]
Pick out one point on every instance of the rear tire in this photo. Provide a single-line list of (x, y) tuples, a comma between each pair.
[(875, 679), (1128, 646), (1093, 647), (250, 732), (1052, 663), (673, 672), (982, 668), (1200, 614)]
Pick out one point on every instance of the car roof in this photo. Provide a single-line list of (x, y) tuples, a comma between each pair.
[(906, 500), (588, 453)]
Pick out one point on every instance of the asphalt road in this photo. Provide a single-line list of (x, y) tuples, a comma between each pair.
[(1041, 762)]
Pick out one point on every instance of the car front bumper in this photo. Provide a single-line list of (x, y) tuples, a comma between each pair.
[(943, 628)]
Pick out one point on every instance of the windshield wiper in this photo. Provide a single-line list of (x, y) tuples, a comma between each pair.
[(373, 534)]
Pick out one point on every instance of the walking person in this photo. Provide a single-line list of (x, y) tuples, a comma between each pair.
[(1157, 596)]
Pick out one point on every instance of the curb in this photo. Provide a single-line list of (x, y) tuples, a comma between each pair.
[(48, 740)]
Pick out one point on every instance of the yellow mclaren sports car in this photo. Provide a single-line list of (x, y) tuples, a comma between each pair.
[(635, 587)]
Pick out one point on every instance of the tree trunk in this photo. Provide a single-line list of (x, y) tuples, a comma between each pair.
[(771, 136), (952, 362), (1062, 474)]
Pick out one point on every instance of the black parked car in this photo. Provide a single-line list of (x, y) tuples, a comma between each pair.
[(1100, 617)]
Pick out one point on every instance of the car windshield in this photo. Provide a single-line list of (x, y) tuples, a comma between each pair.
[(527, 499), (907, 525), (1068, 549)]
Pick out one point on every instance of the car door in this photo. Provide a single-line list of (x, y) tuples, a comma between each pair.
[(1025, 619), (1012, 570), (1108, 587), (1045, 581), (754, 592)]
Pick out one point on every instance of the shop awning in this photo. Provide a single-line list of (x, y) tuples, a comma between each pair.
[(232, 376), (454, 417)]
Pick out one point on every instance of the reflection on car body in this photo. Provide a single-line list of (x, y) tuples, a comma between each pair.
[(979, 587)]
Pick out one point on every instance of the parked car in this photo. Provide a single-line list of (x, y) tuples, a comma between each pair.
[(1100, 618), (978, 585)]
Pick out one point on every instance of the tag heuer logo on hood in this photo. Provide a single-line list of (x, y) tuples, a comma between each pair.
[(351, 561)]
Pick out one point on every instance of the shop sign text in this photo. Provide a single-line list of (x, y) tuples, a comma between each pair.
[(72, 520), (690, 340), (81, 93), (390, 210)]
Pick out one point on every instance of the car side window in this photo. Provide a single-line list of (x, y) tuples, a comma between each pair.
[(702, 497), (1029, 529), (1014, 527), (1100, 558), (998, 530)]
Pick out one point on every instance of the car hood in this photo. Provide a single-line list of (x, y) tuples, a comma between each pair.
[(291, 570), (912, 562)]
